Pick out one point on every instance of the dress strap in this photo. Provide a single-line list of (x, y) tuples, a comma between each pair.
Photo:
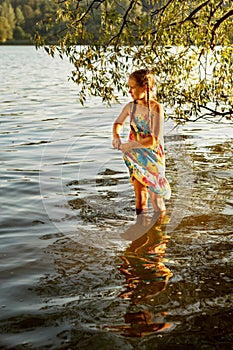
[(134, 107), (132, 110), (132, 115)]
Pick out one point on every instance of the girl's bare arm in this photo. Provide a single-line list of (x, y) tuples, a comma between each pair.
[(157, 121), (119, 122)]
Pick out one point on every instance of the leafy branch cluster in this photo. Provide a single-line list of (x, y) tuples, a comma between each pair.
[(187, 45)]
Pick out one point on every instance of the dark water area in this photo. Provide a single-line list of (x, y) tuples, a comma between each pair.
[(69, 280)]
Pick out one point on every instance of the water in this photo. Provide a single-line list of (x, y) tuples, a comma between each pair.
[(68, 278)]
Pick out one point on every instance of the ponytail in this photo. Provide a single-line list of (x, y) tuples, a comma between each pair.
[(148, 97)]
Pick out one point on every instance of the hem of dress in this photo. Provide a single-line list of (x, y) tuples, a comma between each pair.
[(165, 196)]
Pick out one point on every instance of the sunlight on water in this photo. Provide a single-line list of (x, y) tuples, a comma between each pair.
[(69, 279)]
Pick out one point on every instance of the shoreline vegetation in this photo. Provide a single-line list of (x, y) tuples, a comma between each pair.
[(20, 19), (21, 23), (17, 43), (187, 48)]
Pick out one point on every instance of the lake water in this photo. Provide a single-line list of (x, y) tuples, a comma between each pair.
[(69, 280)]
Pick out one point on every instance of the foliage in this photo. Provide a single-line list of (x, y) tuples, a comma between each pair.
[(19, 17), (5, 29), (185, 43)]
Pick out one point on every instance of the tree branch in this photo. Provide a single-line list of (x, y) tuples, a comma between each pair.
[(212, 12), (213, 113), (87, 10), (123, 22), (161, 9), (217, 24), (190, 16)]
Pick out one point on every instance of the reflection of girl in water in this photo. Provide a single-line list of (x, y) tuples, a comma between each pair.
[(146, 276), (140, 324), (143, 266)]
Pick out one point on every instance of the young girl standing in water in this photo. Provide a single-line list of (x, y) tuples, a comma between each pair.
[(144, 151)]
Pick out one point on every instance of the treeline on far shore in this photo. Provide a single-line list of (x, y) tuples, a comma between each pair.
[(19, 18)]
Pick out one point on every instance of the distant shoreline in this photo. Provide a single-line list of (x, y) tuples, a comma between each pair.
[(17, 43)]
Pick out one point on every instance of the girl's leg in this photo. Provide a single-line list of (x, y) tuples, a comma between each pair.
[(158, 207), (141, 198), (137, 230), (157, 202)]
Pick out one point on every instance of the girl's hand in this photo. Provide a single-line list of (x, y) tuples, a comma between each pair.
[(125, 147), (116, 142)]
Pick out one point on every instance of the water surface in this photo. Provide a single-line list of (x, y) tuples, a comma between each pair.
[(68, 278)]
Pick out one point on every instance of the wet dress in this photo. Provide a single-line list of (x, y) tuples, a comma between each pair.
[(147, 165)]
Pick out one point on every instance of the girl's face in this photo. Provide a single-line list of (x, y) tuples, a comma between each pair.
[(137, 92)]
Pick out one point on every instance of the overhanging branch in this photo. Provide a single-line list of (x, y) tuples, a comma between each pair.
[(161, 9), (124, 21), (189, 18), (217, 25), (87, 10)]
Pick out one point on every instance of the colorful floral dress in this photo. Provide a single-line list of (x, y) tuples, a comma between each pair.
[(147, 165)]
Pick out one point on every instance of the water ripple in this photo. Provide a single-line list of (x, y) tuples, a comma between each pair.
[(69, 279)]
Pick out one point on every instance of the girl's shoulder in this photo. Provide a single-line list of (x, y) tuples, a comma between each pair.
[(128, 107), (155, 106)]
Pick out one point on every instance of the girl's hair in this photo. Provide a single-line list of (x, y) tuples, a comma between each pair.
[(143, 77)]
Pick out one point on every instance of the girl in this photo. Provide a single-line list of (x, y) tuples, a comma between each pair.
[(144, 151)]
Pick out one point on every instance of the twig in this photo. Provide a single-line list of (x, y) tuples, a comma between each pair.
[(189, 18), (217, 24), (161, 9), (123, 23), (87, 10)]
